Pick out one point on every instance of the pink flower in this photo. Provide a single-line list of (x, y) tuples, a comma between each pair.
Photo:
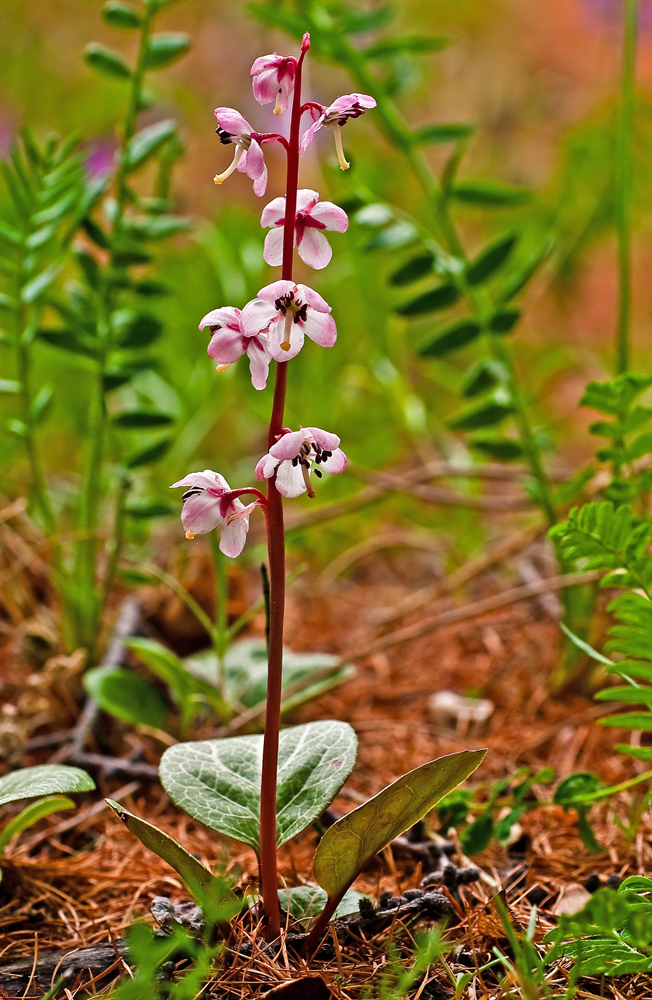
[(208, 503), (312, 216), (293, 456), (249, 158), (229, 342), (334, 116), (288, 313), (272, 78)]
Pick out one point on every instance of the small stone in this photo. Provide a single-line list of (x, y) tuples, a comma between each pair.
[(572, 899)]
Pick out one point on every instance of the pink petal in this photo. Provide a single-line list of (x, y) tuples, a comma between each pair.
[(310, 133), (260, 184), (276, 290), (201, 513), (336, 463), (258, 362), (289, 480), (205, 479), (325, 439), (276, 335), (232, 121), (313, 298), (226, 316), (265, 83), (257, 316), (332, 216), (320, 327), (233, 537), (314, 249), (272, 213), (266, 467), (348, 102), (289, 445), (273, 249), (226, 346), (306, 200)]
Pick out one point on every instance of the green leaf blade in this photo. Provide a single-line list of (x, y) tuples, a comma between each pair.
[(30, 815), (352, 841), (43, 779), (125, 695)]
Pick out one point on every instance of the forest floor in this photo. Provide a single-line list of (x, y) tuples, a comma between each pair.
[(77, 881)]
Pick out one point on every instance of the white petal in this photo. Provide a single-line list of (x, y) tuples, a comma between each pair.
[(204, 479), (276, 336), (325, 439), (314, 249), (256, 317), (201, 513), (289, 445), (336, 463), (320, 327), (306, 200), (332, 216), (272, 213), (273, 249), (234, 536), (289, 480), (258, 362)]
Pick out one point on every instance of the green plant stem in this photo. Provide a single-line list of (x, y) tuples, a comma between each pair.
[(90, 601), (117, 541), (185, 596), (623, 184), (401, 136)]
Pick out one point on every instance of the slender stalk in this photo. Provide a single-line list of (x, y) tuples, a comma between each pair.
[(623, 183), (276, 553)]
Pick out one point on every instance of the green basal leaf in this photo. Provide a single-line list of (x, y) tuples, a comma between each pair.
[(353, 840), (486, 415), (141, 418), (121, 15), (414, 269), (304, 902), (126, 696), (201, 883), (491, 259), (43, 779), (147, 142), (443, 132), (187, 690), (217, 782), (451, 338), (245, 668), (106, 61), (433, 301), (146, 456), (30, 815), (489, 194), (165, 48)]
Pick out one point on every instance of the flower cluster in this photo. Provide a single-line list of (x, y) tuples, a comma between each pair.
[(274, 325)]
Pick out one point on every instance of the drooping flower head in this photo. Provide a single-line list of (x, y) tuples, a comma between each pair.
[(335, 116), (298, 453), (311, 218), (249, 158), (272, 78), (288, 313), (208, 503), (229, 342)]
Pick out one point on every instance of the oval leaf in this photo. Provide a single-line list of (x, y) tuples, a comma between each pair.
[(201, 883), (416, 268), (503, 449), (44, 779), (452, 338), (218, 781), (140, 331), (165, 48), (483, 375), (352, 841), (443, 132), (399, 234), (121, 15), (106, 61), (504, 320), (141, 418), (433, 301), (490, 260), (489, 194), (150, 454), (147, 142), (126, 696), (483, 416), (306, 901)]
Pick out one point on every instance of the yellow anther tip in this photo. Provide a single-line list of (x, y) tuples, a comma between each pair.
[(189, 535)]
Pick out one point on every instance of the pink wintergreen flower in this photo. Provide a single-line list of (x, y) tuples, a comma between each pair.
[(229, 342), (210, 503), (334, 116), (293, 456), (272, 78), (312, 216), (249, 158), (288, 313)]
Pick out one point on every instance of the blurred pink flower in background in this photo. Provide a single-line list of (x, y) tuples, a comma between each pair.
[(610, 12), (100, 158)]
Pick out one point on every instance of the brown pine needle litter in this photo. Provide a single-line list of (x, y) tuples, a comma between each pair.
[(78, 881)]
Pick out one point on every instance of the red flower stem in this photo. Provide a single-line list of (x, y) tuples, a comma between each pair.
[(276, 552)]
